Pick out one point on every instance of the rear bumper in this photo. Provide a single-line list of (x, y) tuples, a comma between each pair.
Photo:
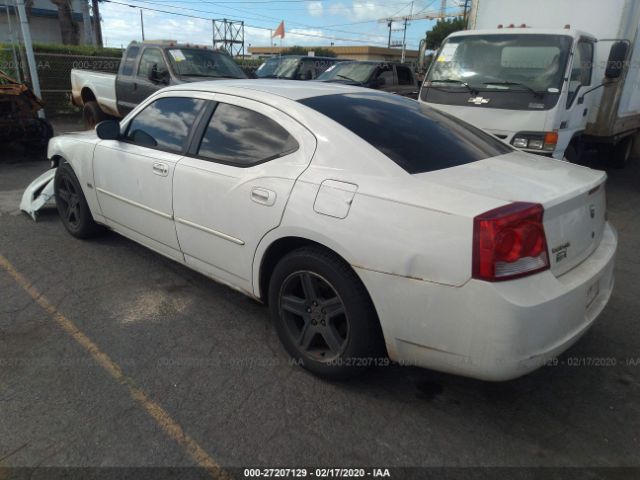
[(492, 331)]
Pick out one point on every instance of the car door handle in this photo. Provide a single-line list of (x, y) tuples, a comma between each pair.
[(161, 169), (263, 196)]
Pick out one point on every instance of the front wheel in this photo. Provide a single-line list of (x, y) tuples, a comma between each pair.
[(323, 314), (571, 154), (72, 205)]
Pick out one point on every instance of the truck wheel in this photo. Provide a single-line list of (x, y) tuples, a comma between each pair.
[(616, 156), (92, 115), (323, 314), (571, 154), (622, 152)]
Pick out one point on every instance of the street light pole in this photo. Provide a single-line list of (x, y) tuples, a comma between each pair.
[(28, 46)]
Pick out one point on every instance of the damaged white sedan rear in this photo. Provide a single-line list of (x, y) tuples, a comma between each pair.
[(370, 224)]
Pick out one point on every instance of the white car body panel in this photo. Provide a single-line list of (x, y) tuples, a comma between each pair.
[(408, 237), (38, 194)]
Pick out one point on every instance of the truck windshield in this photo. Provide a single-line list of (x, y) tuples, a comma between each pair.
[(278, 67), (530, 62), (195, 62), (348, 71)]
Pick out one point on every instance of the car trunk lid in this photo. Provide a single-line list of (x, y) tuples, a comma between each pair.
[(573, 198)]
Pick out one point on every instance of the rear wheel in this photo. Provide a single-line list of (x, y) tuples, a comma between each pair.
[(622, 152), (72, 205), (92, 115), (323, 314)]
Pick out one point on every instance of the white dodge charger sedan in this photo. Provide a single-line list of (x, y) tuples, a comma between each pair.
[(373, 226)]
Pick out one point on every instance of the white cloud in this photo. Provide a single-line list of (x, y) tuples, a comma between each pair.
[(315, 9), (363, 10)]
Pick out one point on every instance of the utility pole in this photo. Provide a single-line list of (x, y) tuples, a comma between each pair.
[(404, 36), (466, 13), (404, 42), (142, 24), (28, 46), (389, 24)]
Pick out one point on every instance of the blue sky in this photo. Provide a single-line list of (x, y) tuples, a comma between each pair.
[(307, 22)]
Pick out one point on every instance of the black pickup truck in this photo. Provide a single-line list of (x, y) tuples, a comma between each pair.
[(145, 68)]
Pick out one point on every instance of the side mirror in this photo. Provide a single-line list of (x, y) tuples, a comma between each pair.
[(108, 130), (617, 57), (157, 77)]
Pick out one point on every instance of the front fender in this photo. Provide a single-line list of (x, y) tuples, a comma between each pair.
[(77, 150)]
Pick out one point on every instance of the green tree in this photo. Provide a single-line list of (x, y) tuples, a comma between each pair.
[(442, 29), (319, 51)]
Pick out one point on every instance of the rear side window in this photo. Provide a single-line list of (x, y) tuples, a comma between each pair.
[(418, 138), (130, 61), (243, 137), (165, 123)]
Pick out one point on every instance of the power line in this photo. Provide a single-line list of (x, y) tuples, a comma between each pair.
[(292, 32), (154, 2)]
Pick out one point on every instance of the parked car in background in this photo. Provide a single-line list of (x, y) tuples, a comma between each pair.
[(388, 77), (362, 219), (146, 68), (295, 67)]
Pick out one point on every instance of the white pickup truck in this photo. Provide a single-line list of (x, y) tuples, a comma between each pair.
[(145, 68)]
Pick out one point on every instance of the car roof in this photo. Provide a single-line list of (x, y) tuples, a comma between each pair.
[(291, 89)]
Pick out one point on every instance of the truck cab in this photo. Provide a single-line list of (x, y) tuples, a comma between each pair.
[(148, 67), (548, 77), (523, 85)]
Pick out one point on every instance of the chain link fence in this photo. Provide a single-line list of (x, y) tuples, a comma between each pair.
[(54, 72)]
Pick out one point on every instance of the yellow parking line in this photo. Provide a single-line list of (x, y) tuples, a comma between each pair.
[(159, 414)]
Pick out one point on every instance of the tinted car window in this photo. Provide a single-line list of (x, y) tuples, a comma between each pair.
[(130, 60), (165, 123), (416, 137), (243, 137)]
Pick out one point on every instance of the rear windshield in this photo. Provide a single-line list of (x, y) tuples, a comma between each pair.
[(416, 137)]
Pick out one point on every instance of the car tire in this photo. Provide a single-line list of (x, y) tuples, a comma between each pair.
[(323, 314), (92, 115), (72, 205)]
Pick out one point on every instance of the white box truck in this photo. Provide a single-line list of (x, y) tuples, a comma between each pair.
[(547, 76)]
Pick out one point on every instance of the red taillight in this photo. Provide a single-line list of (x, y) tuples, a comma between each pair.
[(509, 242)]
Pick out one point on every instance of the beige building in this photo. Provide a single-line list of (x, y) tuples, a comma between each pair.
[(382, 54)]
